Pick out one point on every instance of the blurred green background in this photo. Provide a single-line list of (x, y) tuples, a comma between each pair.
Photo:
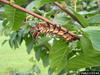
[(18, 61), (11, 60)]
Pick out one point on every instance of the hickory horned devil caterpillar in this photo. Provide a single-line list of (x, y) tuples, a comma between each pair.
[(43, 27)]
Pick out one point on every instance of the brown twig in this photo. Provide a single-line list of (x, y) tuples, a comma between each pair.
[(68, 12), (27, 11)]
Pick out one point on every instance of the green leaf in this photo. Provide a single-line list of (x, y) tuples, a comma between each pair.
[(60, 19), (1, 26), (45, 57), (89, 57), (83, 61), (12, 41), (35, 4), (95, 19), (41, 53), (38, 52), (42, 50), (58, 55), (29, 43), (87, 48), (5, 41), (44, 41), (30, 5), (20, 2), (82, 20), (15, 17), (93, 33), (50, 0)]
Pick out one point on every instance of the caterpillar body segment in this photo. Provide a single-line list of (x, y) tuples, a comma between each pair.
[(53, 29)]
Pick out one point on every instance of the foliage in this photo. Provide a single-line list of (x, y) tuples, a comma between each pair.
[(62, 56)]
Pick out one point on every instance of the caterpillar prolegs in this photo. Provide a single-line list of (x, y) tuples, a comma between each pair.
[(53, 29)]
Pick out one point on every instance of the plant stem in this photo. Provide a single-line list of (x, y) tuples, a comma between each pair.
[(27, 11), (66, 10)]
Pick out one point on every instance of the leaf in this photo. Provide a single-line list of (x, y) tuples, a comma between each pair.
[(30, 5), (58, 55), (38, 52), (20, 2), (36, 4), (15, 17), (1, 26), (60, 19), (93, 33), (42, 50), (41, 53), (46, 1), (29, 43), (87, 47), (82, 20), (83, 61), (44, 41), (89, 57), (5, 41), (20, 36), (45, 57), (12, 41), (95, 19)]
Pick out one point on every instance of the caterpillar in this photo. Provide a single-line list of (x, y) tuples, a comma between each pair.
[(53, 29)]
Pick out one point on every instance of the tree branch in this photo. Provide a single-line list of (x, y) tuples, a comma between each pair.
[(27, 11), (68, 12)]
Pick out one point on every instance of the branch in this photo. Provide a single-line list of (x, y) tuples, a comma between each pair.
[(27, 11), (68, 12)]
